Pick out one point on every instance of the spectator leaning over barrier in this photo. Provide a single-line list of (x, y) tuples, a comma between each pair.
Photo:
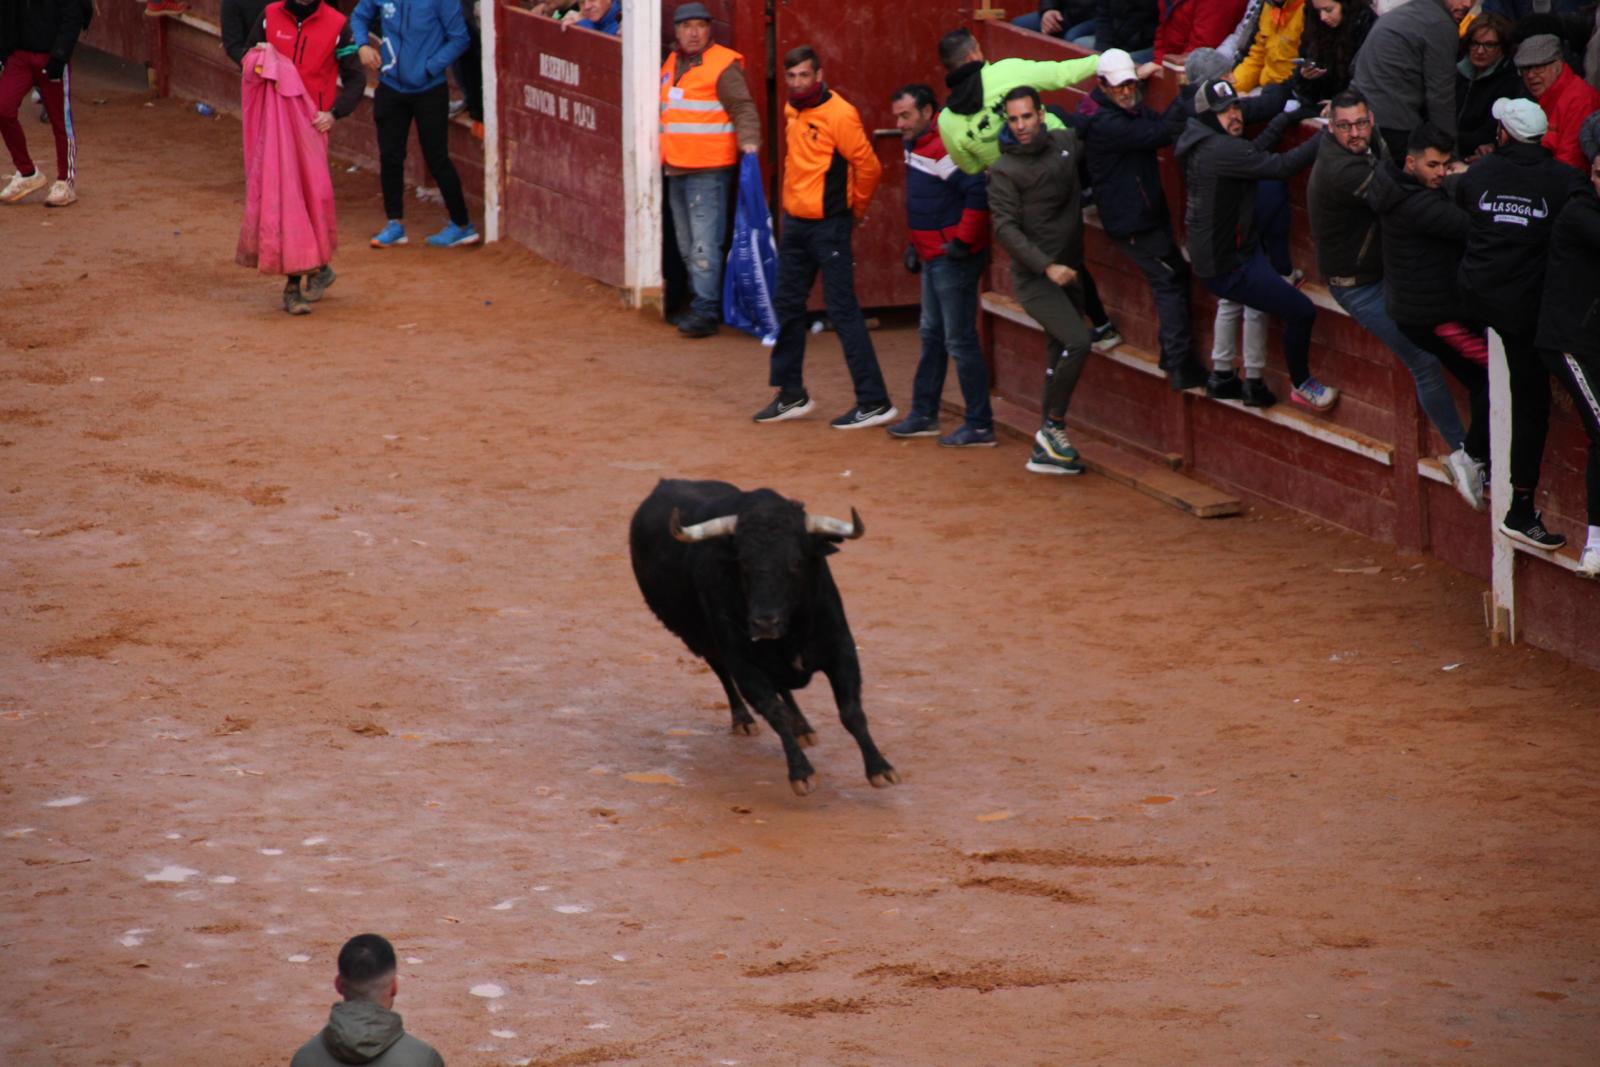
[(1277, 43), (313, 36), (1565, 98), (1121, 136), (970, 123), (1225, 251), (363, 1027), (1569, 331), (708, 118), (1201, 66), (1512, 198), (1406, 69), (417, 42), (1484, 74), (1335, 31), (1350, 258), (829, 175), (1184, 25), (237, 20), (36, 42), (603, 16), (947, 212), (1129, 25), (1071, 20), (1038, 219)]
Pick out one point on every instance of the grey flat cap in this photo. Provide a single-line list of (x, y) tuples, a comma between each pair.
[(685, 12), (1205, 64), (1538, 50)]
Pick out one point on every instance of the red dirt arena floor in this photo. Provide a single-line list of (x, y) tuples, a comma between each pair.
[(326, 625)]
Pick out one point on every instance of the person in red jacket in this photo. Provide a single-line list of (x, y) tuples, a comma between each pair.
[(1189, 24), (1565, 98), (36, 42), (317, 39), (947, 213)]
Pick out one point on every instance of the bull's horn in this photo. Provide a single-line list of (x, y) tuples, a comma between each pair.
[(831, 527), (721, 526)]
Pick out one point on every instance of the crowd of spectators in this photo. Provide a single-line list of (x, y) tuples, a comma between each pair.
[(1455, 160)]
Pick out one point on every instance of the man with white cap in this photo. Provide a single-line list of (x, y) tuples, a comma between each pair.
[(1565, 98), (1513, 197), (1122, 135)]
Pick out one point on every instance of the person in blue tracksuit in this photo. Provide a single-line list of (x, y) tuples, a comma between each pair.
[(417, 40)]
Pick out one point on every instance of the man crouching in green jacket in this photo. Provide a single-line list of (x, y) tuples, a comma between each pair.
[(971, 120), (362, 1029)]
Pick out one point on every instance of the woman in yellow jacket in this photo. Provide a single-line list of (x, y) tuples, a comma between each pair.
[(1277, 43)]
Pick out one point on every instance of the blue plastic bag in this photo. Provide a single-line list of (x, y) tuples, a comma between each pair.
[(752, 268)]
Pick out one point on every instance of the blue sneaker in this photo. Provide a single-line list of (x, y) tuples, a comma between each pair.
[(915, 426), (453, 236), (392, 234), (969, 437)]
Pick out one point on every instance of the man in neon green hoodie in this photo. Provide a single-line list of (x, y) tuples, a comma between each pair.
[(971, 120)]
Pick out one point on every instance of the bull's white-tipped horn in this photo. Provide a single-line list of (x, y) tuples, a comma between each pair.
[(831, 527), (721, 526)]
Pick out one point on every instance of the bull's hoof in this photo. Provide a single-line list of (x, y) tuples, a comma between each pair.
[(803, 786), (805, 740), (747, 729), (884, 780)]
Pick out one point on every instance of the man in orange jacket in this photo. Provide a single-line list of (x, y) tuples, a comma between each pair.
[(708, 119), (829, 176)]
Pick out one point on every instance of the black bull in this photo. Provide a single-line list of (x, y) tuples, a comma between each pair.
[(743, 579)]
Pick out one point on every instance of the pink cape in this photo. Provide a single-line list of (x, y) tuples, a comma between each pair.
[(288, 225)]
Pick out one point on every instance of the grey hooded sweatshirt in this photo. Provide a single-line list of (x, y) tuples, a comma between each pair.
[(362, 1032)]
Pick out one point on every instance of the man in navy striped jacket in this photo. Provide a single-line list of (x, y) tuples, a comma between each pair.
[(947, 211)]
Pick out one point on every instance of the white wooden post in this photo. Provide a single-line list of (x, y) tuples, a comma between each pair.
[(488, 24), (1503, 619), (641, 152)]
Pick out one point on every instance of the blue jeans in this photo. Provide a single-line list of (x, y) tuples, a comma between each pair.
[(1258, 285), (1158, 258), (1271, 211), (950, 331), (699, 202), (1365, 305), (1078, 35)]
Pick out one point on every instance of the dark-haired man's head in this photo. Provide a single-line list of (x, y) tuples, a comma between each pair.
[(802, 71), (959, 47), (1350, 119), (1024, 113), (913, 107), (1428, 154), (367, 970)]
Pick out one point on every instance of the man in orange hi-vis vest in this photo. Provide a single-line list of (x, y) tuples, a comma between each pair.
[(707, 119), (829, 175)]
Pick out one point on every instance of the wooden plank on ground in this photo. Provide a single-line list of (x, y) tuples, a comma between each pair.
[(1167, 486)]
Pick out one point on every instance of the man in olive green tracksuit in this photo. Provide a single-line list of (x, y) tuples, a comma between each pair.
[(362, 1029), (971, 119)]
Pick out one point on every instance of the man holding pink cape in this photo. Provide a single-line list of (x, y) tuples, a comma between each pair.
[(301, 74)]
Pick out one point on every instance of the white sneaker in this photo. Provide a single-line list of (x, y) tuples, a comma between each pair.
[(1589, 562), (1466, 474), (61, 194), (19, 187)]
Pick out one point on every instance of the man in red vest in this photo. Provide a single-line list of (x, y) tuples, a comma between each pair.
[(317, 39), (707, 119)]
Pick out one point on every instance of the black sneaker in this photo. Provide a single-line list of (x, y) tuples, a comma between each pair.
[(1186, 375), (915, 426), (784, 407), (1531, 532), (1257, 395), (1224, 385), (693, 325), (859, 418)]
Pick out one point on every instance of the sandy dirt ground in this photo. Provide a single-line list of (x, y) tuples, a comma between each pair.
[(317, 626)]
